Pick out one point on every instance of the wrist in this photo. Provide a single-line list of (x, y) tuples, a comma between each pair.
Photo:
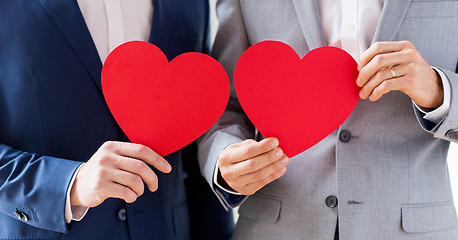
[(438, 99), (69, 209), (222, 182), (74, 193)]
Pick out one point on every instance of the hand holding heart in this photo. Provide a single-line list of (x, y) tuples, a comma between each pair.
[(248, 166), (161, 106), (413, 75), (305, 103), (117, 170)]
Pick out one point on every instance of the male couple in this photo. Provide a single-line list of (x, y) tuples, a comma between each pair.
[(381, 175)]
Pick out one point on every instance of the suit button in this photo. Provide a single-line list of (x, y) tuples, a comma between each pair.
[(450, 133), (331, 201), (454, 136), (17, 214), (122, 214), (344, 136), (24, 217)]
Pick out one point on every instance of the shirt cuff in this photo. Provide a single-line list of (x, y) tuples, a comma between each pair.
[(441, 112), (215, 181), (232, 197), (74, 213)]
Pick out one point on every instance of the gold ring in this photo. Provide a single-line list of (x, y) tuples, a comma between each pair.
[(393, 73)]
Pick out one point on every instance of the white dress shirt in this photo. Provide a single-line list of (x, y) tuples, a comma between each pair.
[(351, 25), (114, 22), (111, 23)]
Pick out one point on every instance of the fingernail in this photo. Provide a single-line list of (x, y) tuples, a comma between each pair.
[(279, 153), (358, 82), (285, 160), (361, 94), (372, 98), (168, 168), (274, 142)]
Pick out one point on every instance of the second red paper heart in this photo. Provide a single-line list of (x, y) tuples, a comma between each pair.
[(163, 105), (299, 101)]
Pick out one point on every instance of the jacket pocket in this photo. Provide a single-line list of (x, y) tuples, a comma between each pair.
[(429, 217), (261, 208)]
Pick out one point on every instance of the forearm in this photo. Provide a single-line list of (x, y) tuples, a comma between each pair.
[(36, 185)]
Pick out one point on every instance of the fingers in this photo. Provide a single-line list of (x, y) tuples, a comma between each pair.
[(250, 189), (381, 61), (116, 170), (265, 172), (387, 86), (141, 152), (382, 48), (259, 162), (380, 76), (242, 165), (119, 191), (248, 184), (132, 181), (411, 74), (249, 149), (137, 168)]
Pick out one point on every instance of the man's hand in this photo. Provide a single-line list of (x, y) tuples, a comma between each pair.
[(117, 170), (413, 75), (248, 166)]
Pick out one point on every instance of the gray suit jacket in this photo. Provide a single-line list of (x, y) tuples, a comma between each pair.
[(391, 178)]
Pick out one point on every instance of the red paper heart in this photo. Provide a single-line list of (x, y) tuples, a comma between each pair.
[(163, 105), (298, 101)]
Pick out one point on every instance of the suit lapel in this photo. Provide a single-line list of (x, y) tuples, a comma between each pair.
[(70, 22), (310, 22), (392, 15)]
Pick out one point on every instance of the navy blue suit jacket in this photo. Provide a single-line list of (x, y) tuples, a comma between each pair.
[(53, 117)]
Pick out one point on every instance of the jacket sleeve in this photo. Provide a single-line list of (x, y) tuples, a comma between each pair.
[(447, 128), (33, 188), (233, 126)]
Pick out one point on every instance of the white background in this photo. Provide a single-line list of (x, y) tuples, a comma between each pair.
[(453, 153), (453, 168)]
